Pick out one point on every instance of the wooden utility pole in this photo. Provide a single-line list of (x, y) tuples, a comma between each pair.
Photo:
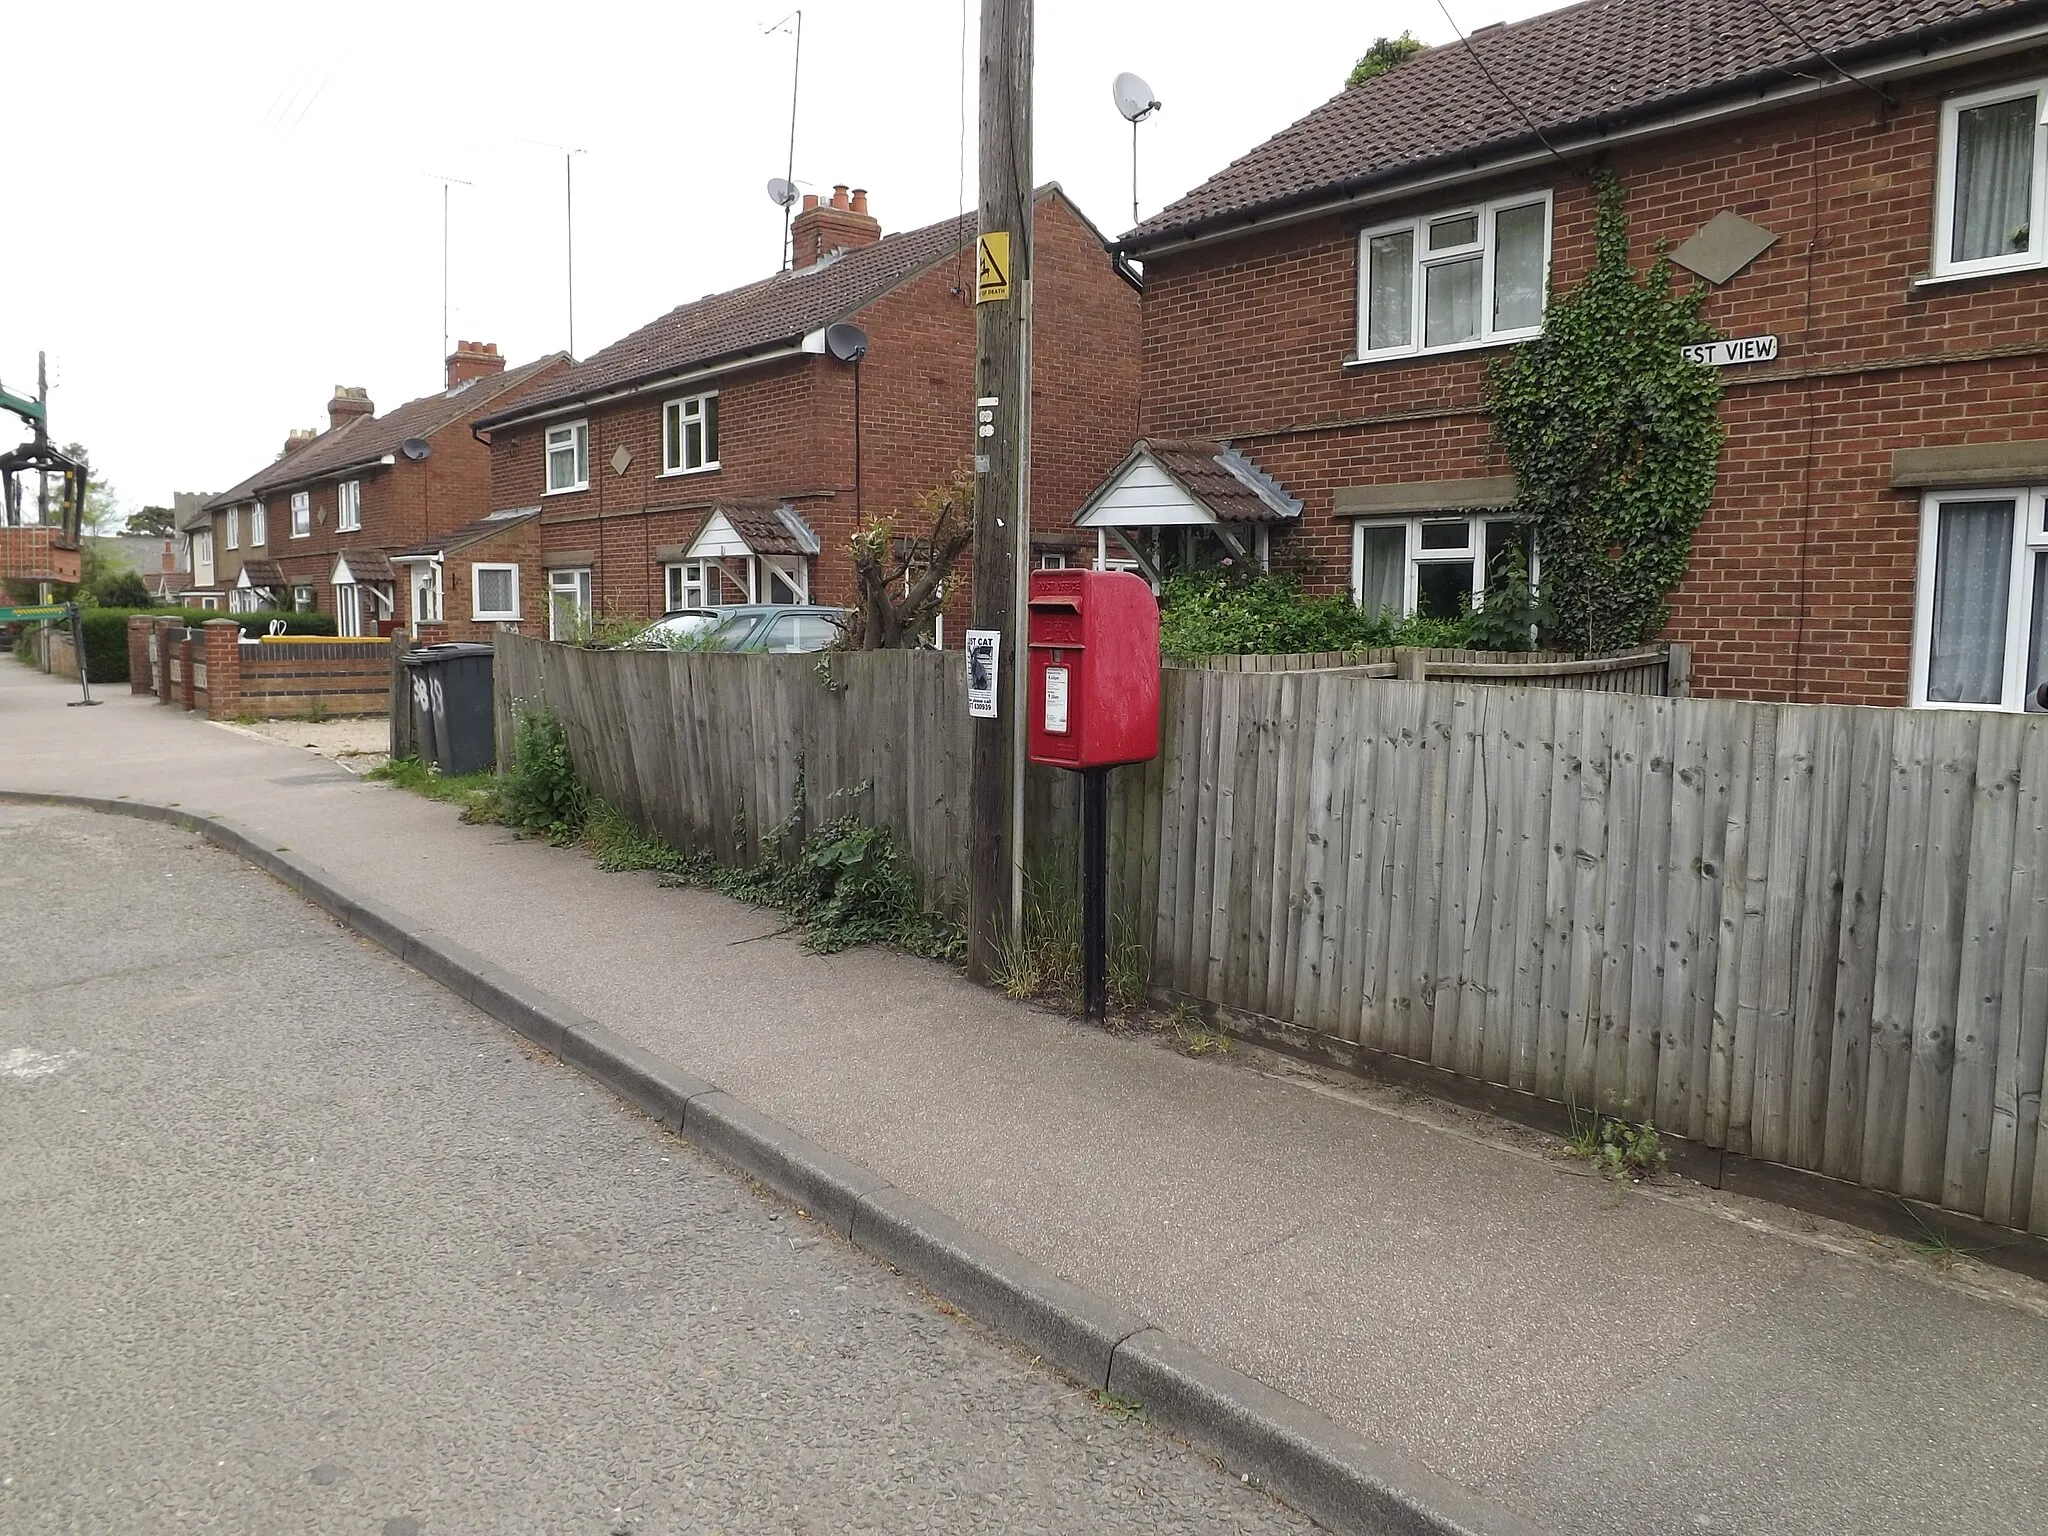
[(1001, 503)]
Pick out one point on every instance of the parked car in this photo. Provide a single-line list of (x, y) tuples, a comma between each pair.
[(679, 628), (777, 629)]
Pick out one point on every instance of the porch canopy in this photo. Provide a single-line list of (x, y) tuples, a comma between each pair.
[(1176, 503), (260, 585), (746, 552), (360, 573)]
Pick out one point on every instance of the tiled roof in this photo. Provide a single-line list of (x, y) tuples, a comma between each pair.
[(263, 573), (766, 527), (371, 437), (469, 533), (245, 489), (1574, 73), (367, 565), (774, 311), (1231, 486)]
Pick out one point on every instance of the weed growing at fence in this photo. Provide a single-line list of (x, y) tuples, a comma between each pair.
[(1191, 1033), (1935, 1245), (541, 793), (1046, 961), (619, 846), (316, 711), (1619, 1149), (476, 793)]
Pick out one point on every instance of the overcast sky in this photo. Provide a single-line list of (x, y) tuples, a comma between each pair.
[(257, 219)]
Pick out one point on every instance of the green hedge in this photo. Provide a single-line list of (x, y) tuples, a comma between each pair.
[(106, 633)]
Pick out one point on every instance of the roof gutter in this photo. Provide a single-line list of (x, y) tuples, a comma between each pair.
[(665, 380), (1761, 90)]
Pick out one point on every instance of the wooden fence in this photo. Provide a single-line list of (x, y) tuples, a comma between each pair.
[(1664, 669), (1814, 934), (705, 748)]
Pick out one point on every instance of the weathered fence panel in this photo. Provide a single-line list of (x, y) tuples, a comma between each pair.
[(1815, 934)]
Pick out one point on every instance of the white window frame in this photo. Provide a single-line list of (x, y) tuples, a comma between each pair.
[(2029, 540), (259, 524), (573, 436), (1414, 555), (302, 514), (302, 600), (477, 612), (348, 610), (348, 506), (578, 585), (234, 527), (1422, 258), (202, 558), (673, 415), (1051, 560), (1943, 265)]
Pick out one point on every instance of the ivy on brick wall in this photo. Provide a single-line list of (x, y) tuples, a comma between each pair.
[(1614, 440)]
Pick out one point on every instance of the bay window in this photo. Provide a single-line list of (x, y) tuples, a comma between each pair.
[(568, 456), (689, 435), (1471, 277), (1991, 187), (1434, 567), (1981, 614)]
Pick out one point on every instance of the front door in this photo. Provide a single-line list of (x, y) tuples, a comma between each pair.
[(348, 609)]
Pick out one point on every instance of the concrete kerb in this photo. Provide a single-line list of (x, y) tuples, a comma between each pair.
[(1339, 1479)]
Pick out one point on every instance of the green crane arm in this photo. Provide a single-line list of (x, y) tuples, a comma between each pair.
[(27, 410)]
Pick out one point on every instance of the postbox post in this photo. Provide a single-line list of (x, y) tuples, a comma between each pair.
[(1095, 891)]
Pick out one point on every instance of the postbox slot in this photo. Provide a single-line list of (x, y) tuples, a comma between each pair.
[(1055, 604)]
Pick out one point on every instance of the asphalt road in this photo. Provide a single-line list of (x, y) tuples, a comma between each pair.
[(292, 1240)]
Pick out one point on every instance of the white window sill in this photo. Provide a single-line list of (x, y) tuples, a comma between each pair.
[(701, 469), (306, 535), (567, 490), (490, 618), (1422, 354), (1978, 274)]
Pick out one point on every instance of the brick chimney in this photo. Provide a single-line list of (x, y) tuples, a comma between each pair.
[(349, 402), (840, 225), (473, 360), (170, 559), (296, 439)]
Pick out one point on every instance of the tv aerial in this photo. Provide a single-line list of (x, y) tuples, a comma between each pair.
[(1134, 99)]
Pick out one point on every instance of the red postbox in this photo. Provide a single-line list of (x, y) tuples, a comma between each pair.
[(1094, 638)]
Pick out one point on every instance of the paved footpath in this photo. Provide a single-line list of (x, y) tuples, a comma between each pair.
[(1666, 1362), (294, 1240)]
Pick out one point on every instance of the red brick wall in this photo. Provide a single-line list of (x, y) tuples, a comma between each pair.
[(517, 545), (786, 429), (1802, 577)]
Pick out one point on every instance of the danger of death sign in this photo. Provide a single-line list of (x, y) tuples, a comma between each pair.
[(993, 251)]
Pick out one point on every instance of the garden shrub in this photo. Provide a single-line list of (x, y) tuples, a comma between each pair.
[(1216, 612)]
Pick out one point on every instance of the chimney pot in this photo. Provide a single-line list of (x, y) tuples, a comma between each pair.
[(473, 360), (349, 402), (838, 225)]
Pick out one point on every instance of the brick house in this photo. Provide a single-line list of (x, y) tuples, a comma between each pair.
[(1323, 309), (315, 531), (722, 455)]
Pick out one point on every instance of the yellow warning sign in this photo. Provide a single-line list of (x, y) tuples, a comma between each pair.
[(994, 251)]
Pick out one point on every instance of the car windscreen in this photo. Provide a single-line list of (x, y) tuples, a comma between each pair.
[(732, 632)]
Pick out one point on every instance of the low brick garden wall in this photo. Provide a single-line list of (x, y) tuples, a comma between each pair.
[(214, 671)]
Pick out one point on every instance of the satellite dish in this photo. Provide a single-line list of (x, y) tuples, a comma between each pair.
[(781, 193), (848, 343), (1134, 97), (415, 448)]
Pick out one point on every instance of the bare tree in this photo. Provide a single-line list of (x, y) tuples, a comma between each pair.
[(902, 577)]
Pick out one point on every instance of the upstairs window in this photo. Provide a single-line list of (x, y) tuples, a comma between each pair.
[(568, 449), (1989, 202), (259, 530), (302, 514), (234, 521), (348, 502), (689, 434), (1468, 278)]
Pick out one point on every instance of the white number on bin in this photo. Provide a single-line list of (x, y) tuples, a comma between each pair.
[(1056, 700)]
